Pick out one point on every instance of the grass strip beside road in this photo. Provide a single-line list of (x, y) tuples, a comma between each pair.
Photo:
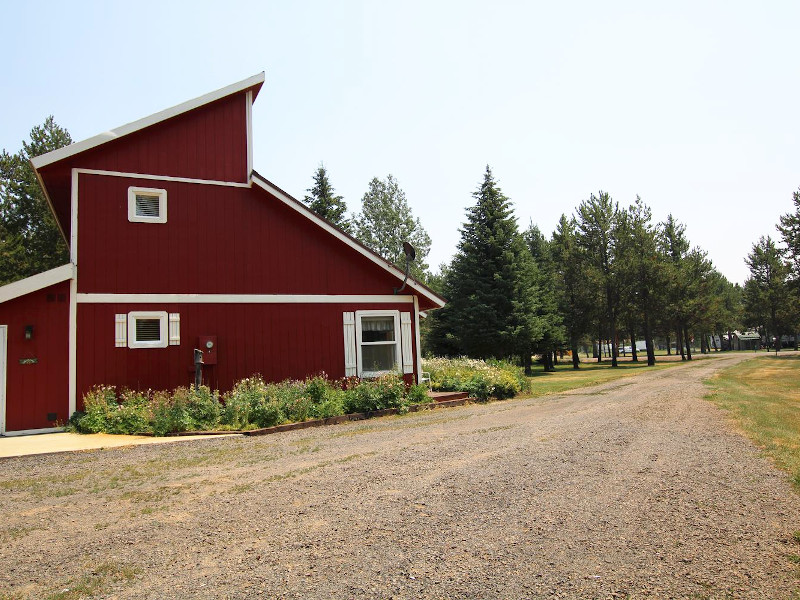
[(763, 398), (565, 378)]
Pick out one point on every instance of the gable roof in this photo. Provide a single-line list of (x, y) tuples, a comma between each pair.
[(34, 283), (436, 300), (255, 82)]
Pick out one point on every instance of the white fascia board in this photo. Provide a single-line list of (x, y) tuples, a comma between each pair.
[(88, 298), (92, 142), (339, 234), (34, 283)]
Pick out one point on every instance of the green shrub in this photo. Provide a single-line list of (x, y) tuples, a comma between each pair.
[(418, 394), (480, 379), (98, 403), (382, 392)]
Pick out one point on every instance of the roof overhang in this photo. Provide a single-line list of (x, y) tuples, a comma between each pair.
[(34, 283), (301, 208), (255, 82)]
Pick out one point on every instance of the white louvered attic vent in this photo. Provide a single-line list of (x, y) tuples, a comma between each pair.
[(148, 330), (147, 205)]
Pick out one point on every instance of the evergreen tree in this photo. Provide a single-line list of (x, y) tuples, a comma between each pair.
[(790, 232), (491, 286), (324, 201), (551, 322), (674, 247), (30, 241), (576, 299), (768, 303), (597, 234), (642, 275), (386, 221)]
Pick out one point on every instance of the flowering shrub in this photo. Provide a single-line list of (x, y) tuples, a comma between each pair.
[(250, 404), (481, 379)]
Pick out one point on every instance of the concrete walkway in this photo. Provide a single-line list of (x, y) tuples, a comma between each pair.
[(48, 443)]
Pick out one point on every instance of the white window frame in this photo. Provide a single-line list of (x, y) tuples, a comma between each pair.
[(161, 315), (162, 204), (398, 366)]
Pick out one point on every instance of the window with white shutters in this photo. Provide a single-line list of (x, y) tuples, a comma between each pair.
[(147, 205)]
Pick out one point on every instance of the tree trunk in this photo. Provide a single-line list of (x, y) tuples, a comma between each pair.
[(714, 341), (527, 363), (669, 346), (573, 345), (688, 346), (648, 341), (679, 342), (613, 343), (634, 355), (730, 340), (599, 345)]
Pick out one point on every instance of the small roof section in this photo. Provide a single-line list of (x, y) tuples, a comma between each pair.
[(34, 283), (256, 81)]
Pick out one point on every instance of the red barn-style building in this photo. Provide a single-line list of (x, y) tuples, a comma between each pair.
[(176, 243)]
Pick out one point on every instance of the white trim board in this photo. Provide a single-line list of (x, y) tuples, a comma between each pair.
[(56, 155), (33, 431), (162, 178), (239, 299), (361, 249), (34, 283), (3, 370)]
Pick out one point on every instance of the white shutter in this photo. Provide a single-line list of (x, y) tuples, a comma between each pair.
[(405, 336), (174, 329), (349, 320), (121, 330)]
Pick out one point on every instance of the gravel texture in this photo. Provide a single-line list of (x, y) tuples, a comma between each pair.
[(634, 489)]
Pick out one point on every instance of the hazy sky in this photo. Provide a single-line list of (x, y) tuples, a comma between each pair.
[(691, 105)]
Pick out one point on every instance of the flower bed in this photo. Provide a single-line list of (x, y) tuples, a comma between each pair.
[(480, 379), (251, 404)]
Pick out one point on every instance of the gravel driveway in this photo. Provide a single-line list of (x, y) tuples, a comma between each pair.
[(633, 489)]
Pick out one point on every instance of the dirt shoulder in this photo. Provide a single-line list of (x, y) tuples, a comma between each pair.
[(637, 488)]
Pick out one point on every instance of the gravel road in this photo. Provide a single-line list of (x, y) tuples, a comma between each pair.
[(634, 489)]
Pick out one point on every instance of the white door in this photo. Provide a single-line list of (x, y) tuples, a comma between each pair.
[(3, 331)]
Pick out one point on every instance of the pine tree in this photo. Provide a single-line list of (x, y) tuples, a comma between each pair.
[(491, 285), (769, 305), (575, 297), (324, 201), (553, 333), (597, 231), (25, 217), (386, 221)]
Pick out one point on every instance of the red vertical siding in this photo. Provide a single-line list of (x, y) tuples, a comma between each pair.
[(207, 143), (279, 341), (35, 390), (218, 239)]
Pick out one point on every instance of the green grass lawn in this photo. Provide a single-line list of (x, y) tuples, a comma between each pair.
[(763, 396), (591, 373)]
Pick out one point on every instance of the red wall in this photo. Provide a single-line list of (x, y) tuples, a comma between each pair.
[(34, 390), (206, 143), (279, 341), (217, 239)]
